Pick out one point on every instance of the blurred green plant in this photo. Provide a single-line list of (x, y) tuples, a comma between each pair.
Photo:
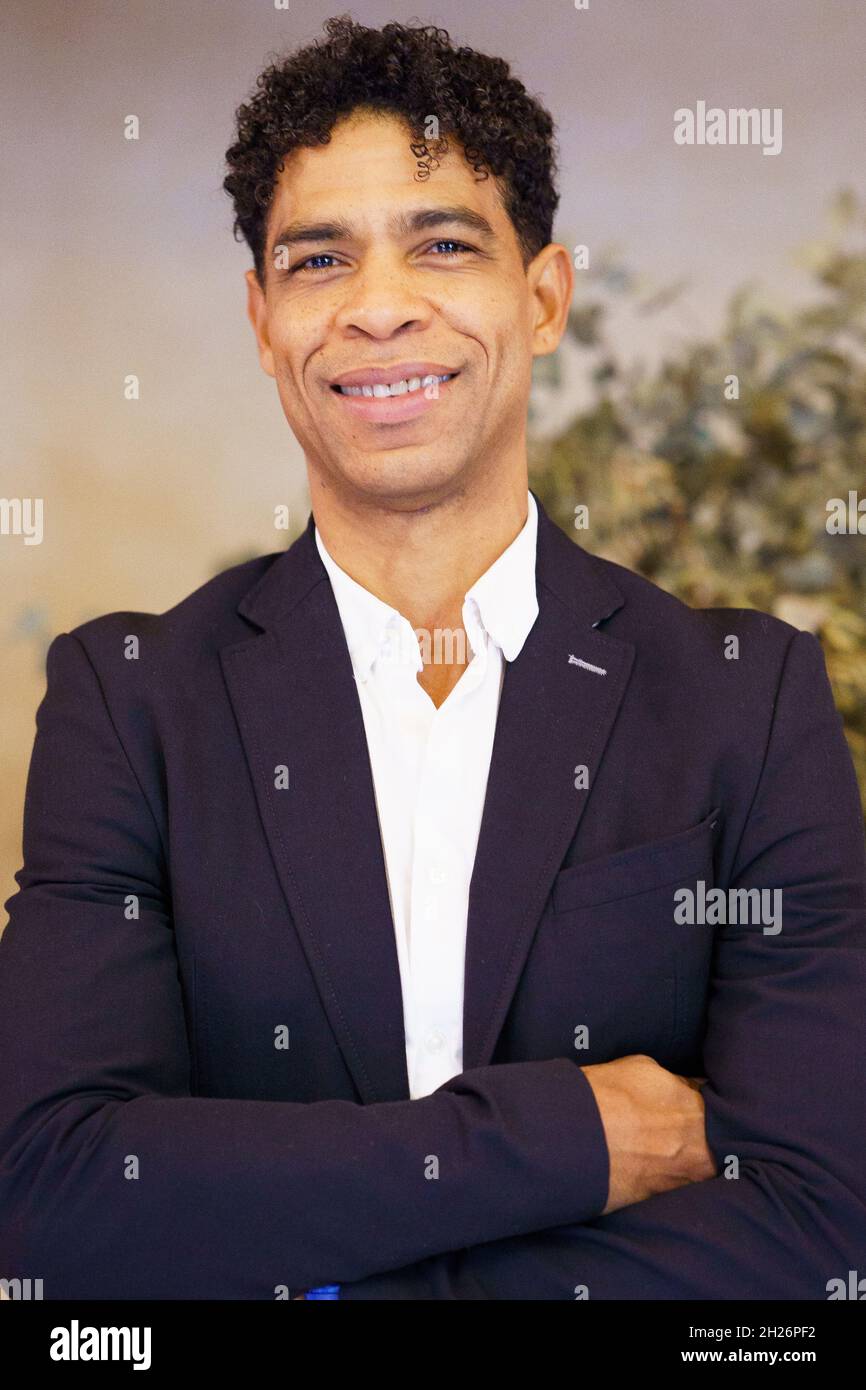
[(724, 502)]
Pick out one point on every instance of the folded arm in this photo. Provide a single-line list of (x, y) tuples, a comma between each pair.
[(785, 1058), (117, 1182)]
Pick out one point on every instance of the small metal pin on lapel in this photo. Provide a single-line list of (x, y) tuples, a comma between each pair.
[(586, 665)]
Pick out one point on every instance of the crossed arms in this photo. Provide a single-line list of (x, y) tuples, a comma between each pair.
[(235, 1198)]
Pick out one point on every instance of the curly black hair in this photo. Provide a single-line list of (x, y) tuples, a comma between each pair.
[(411, 71)]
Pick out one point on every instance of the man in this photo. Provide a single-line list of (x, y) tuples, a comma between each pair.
[(366, 931)]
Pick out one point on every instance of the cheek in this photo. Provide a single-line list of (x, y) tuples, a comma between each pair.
[(492, 317), (512, 360), (297, 331)]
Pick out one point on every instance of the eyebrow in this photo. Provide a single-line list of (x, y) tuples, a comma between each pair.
[(400, 224)]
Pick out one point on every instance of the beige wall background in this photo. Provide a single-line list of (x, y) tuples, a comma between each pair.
[(117, 258)]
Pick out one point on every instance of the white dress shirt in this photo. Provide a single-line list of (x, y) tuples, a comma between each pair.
[(430, 770)]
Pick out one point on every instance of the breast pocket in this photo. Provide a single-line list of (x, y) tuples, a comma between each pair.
[(614, 953), (675, 861)]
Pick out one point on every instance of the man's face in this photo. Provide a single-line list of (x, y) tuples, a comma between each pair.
[(374, 277)]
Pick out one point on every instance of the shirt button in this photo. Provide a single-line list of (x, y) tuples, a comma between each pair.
[(437, 873), (434, 1042)]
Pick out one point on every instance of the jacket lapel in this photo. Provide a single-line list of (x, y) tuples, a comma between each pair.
[(555, 715), (295, 700), (296, 704)]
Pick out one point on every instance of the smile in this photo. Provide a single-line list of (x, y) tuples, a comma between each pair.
[(403, 387), (393, 396)]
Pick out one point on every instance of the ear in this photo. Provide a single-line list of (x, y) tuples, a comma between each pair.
[(257, 313), (551, 285)]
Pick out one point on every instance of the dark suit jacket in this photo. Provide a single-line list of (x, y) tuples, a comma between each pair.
[(182, 915)]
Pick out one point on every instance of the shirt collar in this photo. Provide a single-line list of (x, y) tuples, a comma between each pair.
[(367, 620), (504, 599), (505, 595)]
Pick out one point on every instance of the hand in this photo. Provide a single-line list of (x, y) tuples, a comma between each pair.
[(654, 1124)]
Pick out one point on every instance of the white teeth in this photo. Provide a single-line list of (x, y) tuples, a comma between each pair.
[(396, 388)]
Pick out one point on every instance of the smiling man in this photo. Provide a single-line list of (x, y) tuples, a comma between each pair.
[(397, 329), (347, 949)]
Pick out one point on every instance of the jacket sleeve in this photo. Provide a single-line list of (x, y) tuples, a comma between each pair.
[(785, 1058), (117, 1182)]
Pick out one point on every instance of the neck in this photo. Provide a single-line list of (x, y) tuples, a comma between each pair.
[(421, 562)]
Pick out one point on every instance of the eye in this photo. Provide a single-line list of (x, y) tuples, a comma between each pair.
[(310, 262), (457, 248)]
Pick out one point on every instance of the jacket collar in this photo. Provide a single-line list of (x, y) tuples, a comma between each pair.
[(575, 576)]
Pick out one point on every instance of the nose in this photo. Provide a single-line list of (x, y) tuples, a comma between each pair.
[(380, 299)]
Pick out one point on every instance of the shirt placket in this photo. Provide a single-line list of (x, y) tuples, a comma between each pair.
[(438, 907)]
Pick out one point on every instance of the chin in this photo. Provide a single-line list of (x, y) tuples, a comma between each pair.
[(394, 478)]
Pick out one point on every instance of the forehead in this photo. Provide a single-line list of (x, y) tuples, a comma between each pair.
[(367, 171)]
